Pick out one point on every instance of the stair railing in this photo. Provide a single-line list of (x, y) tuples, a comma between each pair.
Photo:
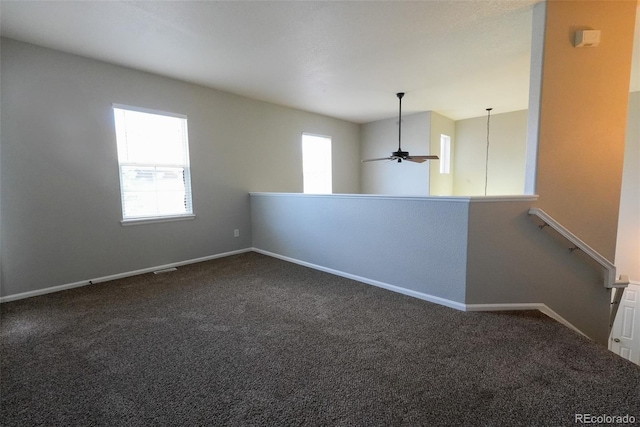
[(610, 279)]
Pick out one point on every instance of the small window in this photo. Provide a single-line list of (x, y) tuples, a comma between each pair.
[(153, 156), (445, 154), (316, 164)]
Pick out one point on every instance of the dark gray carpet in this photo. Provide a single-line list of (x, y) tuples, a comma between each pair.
[(251, 340)]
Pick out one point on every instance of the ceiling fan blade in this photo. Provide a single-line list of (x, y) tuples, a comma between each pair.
[(375, 160), (421, 159), (411, 159)]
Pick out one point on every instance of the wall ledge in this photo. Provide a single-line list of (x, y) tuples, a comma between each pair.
[(458, 199)]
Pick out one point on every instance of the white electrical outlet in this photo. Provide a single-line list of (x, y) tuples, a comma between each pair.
[(236, 233)]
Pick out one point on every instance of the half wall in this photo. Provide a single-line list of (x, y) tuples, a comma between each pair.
[(468, 253)]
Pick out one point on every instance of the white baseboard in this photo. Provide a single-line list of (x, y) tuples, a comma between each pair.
[(66, 286), (505, 307), (543, 308), (420, 295), (400, 290)]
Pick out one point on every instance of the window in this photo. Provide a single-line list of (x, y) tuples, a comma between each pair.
[(445, 154), (153, 156), (316, 164)]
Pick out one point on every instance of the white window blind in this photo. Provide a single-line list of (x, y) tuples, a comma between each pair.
[(316, 164), (153, 156)]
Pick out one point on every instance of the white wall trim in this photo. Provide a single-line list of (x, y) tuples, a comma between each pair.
[(543, 308), (425, 297), (66, 286), (398, 289)]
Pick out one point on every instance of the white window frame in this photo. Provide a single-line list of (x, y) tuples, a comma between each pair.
[(125, 162), (445, 154), (311, 171)]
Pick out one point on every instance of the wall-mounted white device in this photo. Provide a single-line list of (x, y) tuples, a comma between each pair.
[(586, 38)]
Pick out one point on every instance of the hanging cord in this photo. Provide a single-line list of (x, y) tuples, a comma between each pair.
[(486, 164)]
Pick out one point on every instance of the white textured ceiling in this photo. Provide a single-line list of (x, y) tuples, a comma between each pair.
[(345, 59)]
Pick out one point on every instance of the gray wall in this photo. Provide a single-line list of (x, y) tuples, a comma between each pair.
[(60, 194), (380, 139), (462, 252), (60, 201), (441, 184), (507, 147), (421, 135), (415, 244), (512, 261)]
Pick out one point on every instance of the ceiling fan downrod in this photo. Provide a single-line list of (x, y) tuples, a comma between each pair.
[(400, 154), (400, 95)]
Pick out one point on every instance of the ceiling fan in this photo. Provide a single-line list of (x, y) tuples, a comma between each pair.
[(402, 155)]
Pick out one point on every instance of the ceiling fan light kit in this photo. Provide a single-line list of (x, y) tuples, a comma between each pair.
[(400, 155)]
